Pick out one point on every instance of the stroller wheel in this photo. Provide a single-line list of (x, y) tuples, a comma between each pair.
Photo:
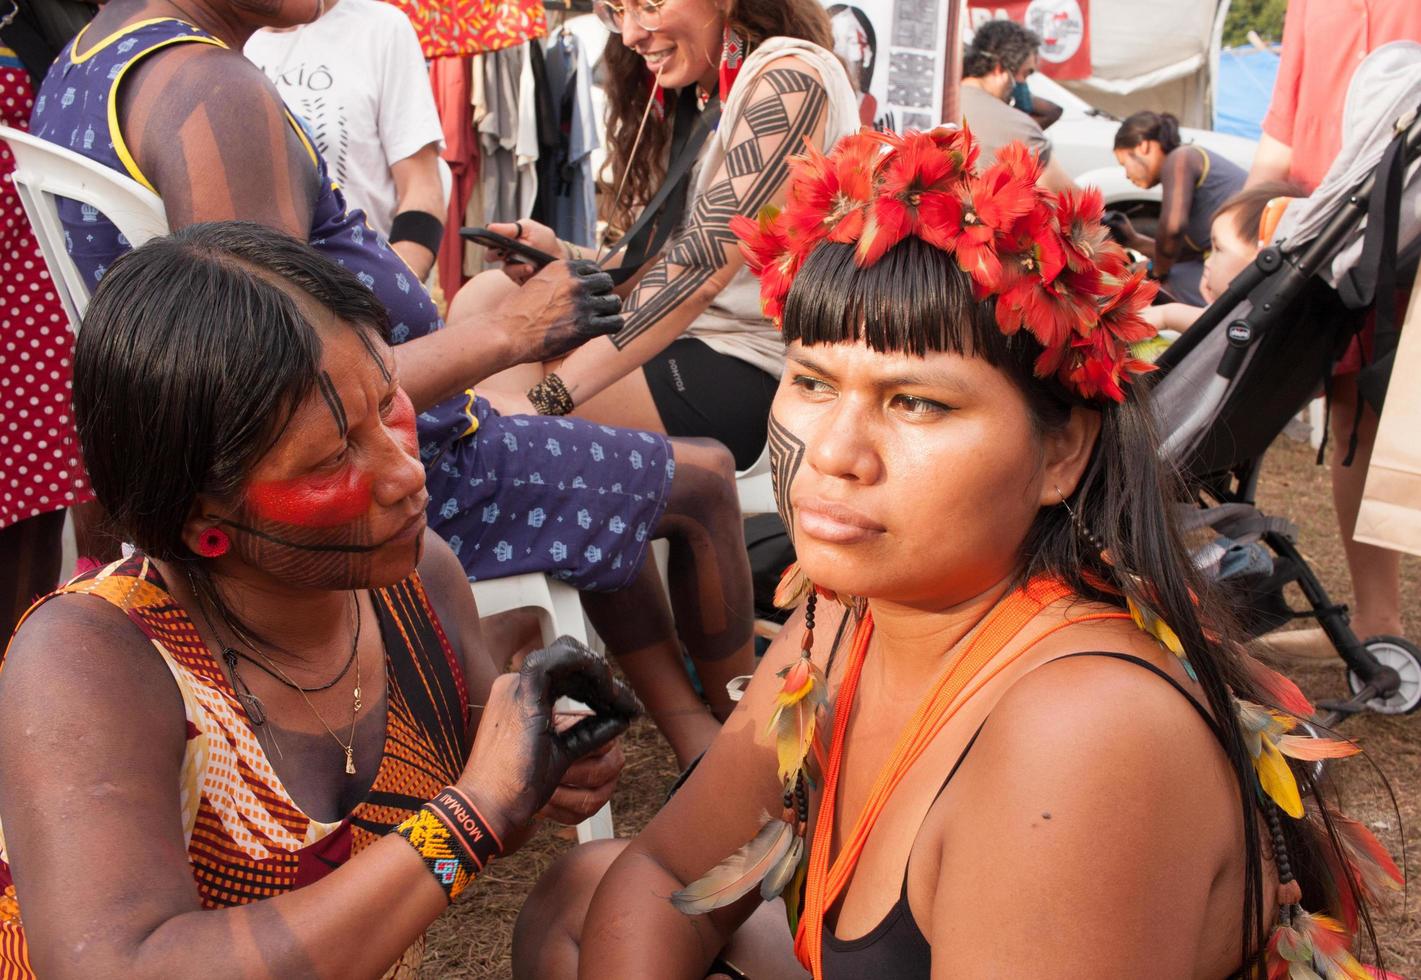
[(1402, 656)]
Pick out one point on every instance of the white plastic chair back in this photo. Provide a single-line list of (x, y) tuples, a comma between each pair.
[(45, 172), (757, 493), (559, 612)]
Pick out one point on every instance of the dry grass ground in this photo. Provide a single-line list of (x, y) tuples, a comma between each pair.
[(472, 940)]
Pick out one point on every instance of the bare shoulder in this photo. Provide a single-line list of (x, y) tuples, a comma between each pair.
[(196, 74), (73, 636), (1098, 737), (76, 668)]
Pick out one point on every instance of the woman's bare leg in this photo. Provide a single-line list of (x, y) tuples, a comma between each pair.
[(1376, 572), (711, 595)]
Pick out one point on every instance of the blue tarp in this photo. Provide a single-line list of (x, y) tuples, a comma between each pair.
[(1245, 87)]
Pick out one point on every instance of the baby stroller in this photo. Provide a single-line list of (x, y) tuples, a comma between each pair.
[(1263, 350)]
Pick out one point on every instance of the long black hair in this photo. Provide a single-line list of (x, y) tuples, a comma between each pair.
[(916, 300), (189, 363), (1161, 127)]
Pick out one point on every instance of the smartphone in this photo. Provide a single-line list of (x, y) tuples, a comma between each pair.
[(509, 246)]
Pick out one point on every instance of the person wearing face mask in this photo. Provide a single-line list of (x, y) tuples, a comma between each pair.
[(995, 67), (272, 741), (751, 81), (1193, 183)]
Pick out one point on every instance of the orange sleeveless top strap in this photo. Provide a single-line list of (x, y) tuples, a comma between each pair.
[(825, 882)]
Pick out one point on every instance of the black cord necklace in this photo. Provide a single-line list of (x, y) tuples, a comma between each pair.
[(354, 649)]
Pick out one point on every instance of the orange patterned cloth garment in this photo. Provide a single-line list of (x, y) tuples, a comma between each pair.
[(464, 27), (246, 838)]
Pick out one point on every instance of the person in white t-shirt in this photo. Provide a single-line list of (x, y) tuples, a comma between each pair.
[(357, 79)]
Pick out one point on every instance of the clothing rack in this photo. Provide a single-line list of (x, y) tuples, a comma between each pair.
[(568, 6)]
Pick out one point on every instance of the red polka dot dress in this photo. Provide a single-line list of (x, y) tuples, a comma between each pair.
[(39, 449)]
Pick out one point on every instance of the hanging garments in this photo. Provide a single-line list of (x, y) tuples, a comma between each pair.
[(566, 185), (508, 140), (450, 79)]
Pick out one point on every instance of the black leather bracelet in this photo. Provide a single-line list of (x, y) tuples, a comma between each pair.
[(419, 227)]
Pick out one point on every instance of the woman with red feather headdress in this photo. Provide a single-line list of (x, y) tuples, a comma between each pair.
[(1009, 731)]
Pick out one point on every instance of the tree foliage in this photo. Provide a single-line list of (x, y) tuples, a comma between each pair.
[(1263, 16)]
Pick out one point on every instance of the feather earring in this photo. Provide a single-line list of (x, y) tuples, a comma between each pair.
[(776, 857), (1265, 735), (1141, 612), (773, 859), (1312, 947), (802, 699)]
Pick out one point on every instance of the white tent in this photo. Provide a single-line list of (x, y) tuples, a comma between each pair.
[(1154, 54)]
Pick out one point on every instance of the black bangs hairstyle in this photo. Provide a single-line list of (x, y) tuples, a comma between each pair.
[(189, 363), (915, 300)]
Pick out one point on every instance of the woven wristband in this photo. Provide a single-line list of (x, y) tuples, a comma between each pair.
[(551, 397), (453, 838)]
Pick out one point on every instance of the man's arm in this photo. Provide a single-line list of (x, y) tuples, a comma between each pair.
[(211, 134), (417, 188)]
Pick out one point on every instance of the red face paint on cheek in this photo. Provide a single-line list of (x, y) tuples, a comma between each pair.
[(314, 501), (401, 422)]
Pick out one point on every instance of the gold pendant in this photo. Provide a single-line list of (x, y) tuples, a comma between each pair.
[(357, 699), (350, 761)]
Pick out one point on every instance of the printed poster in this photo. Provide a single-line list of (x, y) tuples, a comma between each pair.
[(895, 51), (1062, 25)]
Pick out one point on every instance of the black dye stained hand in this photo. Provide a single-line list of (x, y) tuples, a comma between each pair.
[(519, 756), (561, 308)]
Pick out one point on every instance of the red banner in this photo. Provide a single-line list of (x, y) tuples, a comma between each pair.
[(1063, 25)]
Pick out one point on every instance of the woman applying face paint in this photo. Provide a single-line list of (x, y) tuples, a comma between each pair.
[(276, 722)]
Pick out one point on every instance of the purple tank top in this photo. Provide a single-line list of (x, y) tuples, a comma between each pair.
[(76, 107)]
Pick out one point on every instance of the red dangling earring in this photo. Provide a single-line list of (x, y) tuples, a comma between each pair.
[(213, 543), (732, 53)]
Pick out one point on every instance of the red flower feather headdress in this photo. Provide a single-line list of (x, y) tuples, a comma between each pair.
[(1046, 258)]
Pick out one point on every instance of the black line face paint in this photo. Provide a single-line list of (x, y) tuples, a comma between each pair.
[(369, 345), (331, 397), (786, 456), (778, 121)]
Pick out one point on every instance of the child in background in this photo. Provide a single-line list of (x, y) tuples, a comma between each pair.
[(1242, 225)]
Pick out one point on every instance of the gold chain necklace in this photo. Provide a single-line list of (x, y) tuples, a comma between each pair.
[(348, 746)]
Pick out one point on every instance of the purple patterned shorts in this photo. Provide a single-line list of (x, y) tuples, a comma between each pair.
[(528, 493)]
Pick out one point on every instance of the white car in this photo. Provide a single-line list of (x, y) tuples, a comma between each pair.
[(1083, 139)]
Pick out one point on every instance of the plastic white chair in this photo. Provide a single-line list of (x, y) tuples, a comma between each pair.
[(44, 172), (559, 612), (757, 492)]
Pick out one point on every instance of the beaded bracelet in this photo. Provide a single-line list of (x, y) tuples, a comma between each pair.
[(453, 838), (551, 397)]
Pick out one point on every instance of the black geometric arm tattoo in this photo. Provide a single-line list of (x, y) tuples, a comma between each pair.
[(786, 107)]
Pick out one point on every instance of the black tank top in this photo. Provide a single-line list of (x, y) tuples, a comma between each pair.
[(896, 948)]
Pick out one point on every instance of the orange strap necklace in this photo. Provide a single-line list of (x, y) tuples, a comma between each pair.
[(824, 883)]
